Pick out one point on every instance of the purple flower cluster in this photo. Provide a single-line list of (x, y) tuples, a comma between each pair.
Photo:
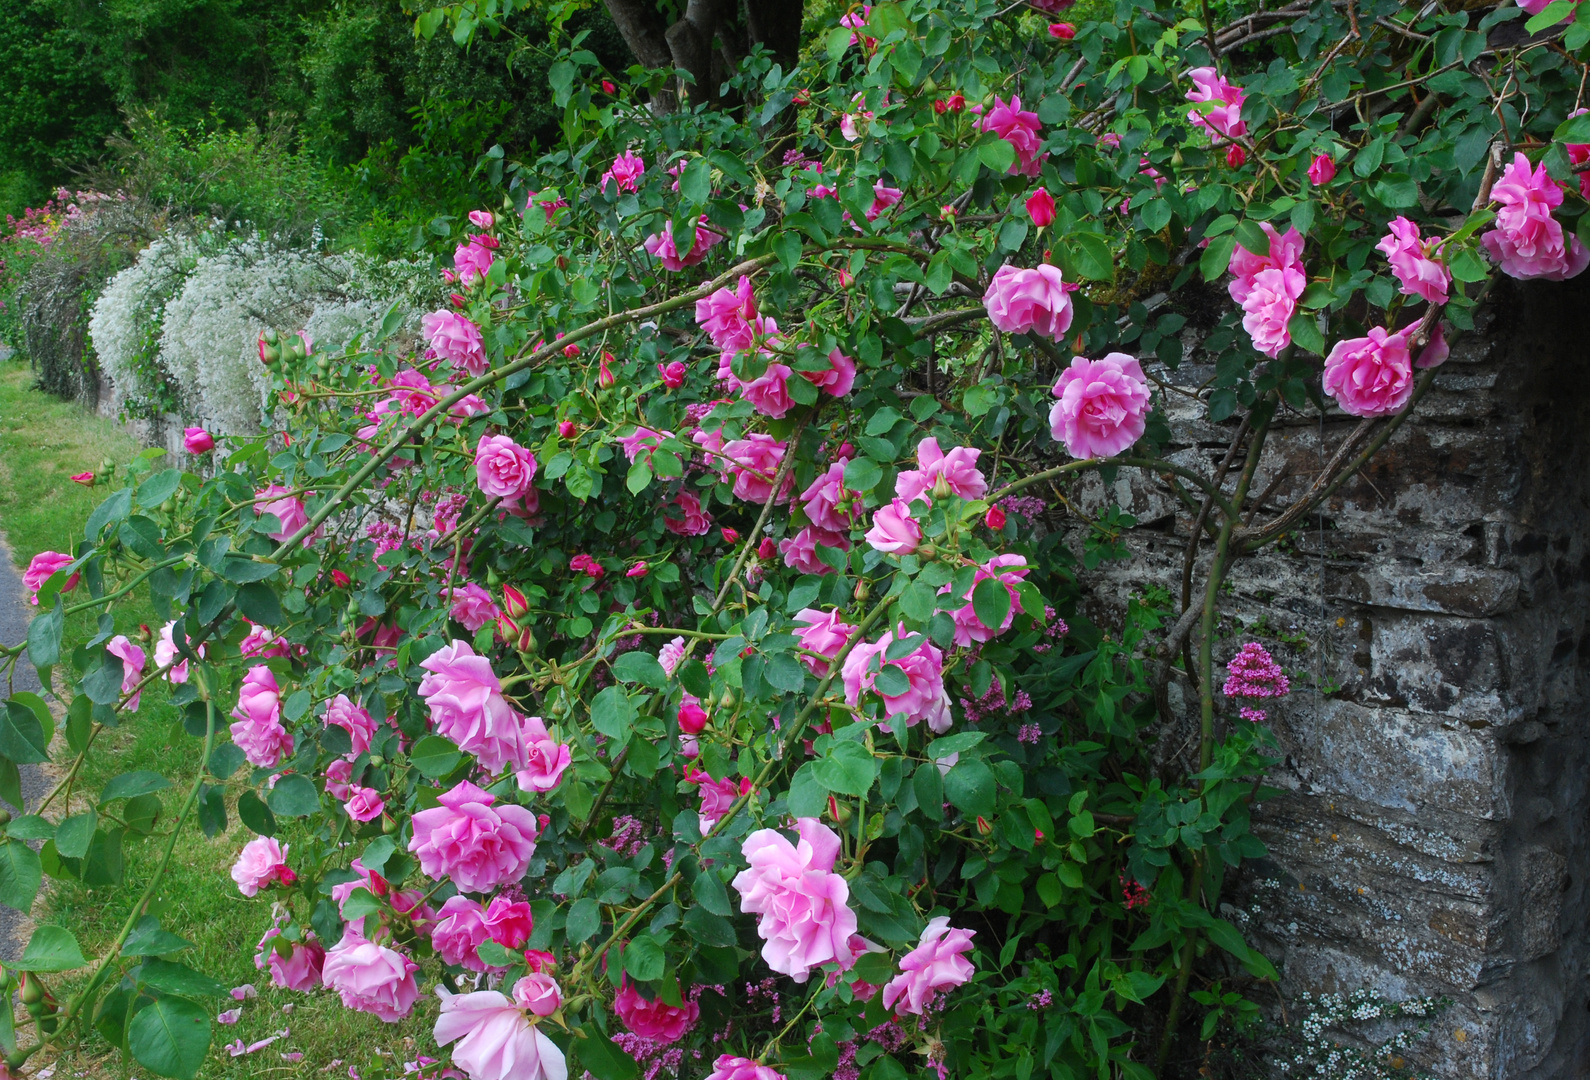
[(1253, 673)]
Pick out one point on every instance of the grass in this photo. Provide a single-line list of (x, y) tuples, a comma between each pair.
[(43, 442)]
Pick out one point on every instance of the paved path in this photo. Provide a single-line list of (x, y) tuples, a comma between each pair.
[(15, 613)]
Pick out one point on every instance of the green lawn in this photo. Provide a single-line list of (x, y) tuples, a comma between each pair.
[(43, 442)]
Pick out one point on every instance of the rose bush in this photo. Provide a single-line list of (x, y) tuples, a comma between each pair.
[(672, 662)]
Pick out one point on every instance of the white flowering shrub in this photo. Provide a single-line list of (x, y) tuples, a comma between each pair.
[(125, 323), (1321, 1054)]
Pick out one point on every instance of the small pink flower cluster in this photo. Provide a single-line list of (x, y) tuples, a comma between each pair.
[(1253, 673)]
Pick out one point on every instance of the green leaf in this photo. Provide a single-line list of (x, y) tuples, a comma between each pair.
[(585, 919), (109, 512), (958, 743), (1575, 129), (613, 714), (991, 603), (785, 673), (928, 783), (170, 1037), (644, 959), (918, 602), (639, 477), (642, 667), (173, 978), (1305, 333), (1251, 237), (708, 928), (997, 154), (102, 683), (596, 1054), (129, 785), (294, 795), (44, 636), (862, 474), (838, 41), (970, 787), (21, 735), (225, 760), (30, 827), (21, 873), (52, 948), (142, 537), (1090, 254), (258, 601), (1554, 13), (806, 795), (75, 834), (692, 675), (255, 814), (695, 183), (1217, 257), (892, 681), (847, 769), (360, 902), (434, 757), (710, 893)]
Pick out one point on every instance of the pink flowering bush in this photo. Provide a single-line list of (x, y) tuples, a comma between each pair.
[(690, 657)]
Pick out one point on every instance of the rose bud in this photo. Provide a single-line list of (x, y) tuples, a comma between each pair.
[(995, 518), (692, 718), (731, 536), (608, 87), (514, 602), (766, 549), (340, 580), (1236, 156), (566, 429), (604, 376), (673, 375), (1063, 31)]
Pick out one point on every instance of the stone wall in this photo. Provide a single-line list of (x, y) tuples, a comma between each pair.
[(1432, 834)]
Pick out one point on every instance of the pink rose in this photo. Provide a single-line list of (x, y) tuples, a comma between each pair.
[(717, 796), (467, 706), (407, 902), (693, 522), (626, 171), (545, 758), (1103, 406), (670, 655), (195, 440), (805, 919), (166, 655), (825, 633), (357, 722), (258, 731), (1269, 306), (364, 804), (298, 970), (1224, 121), (643, 440), (472, 260), (41, 567), (1527, 241), (509, 922), (1322, 170), (132, 667), (729, 1067), (474, 844), (286, 507), (1410, 260), (828, 505), (503, 468), (460, 929), (1286, 252), (1370, 376), (970, 629), (924, 697), (654, 1019), (1040, 207), (1020, 128), (673, 374), (800, 551), (338, 774), (538, 993), (456, 340), (883, 197), (937, 963), (262, 643), (1029, 301), (728, 317), (1435, 351), (371, 978), (893, 531), (839, 379), (495, 1041), (957, 470), (754, 462), (262, 861), (473, 607), (661, 245), (482, 219), (768, 393)]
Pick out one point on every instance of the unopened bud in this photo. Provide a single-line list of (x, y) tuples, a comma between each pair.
[(983, 826), (941, 488), (514, 602), (995, 518), (692, 718)]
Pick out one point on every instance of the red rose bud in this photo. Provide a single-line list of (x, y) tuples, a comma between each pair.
[(940, 107), (84, 478), (957, 102), (692, 718), (608, 87), (340, 580), (514, 602), (1236, 156), (1040, 207), (566, 429), (947, 212), (846, 279), (995, 518), (766, 549), (604, 376), (801, 98), (1037, 836), (1064, 31), (846, 451), (638, 570), (457, 299), (731, 536), (673, 375)]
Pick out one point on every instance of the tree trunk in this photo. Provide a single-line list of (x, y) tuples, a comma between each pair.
[(705, 42)]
